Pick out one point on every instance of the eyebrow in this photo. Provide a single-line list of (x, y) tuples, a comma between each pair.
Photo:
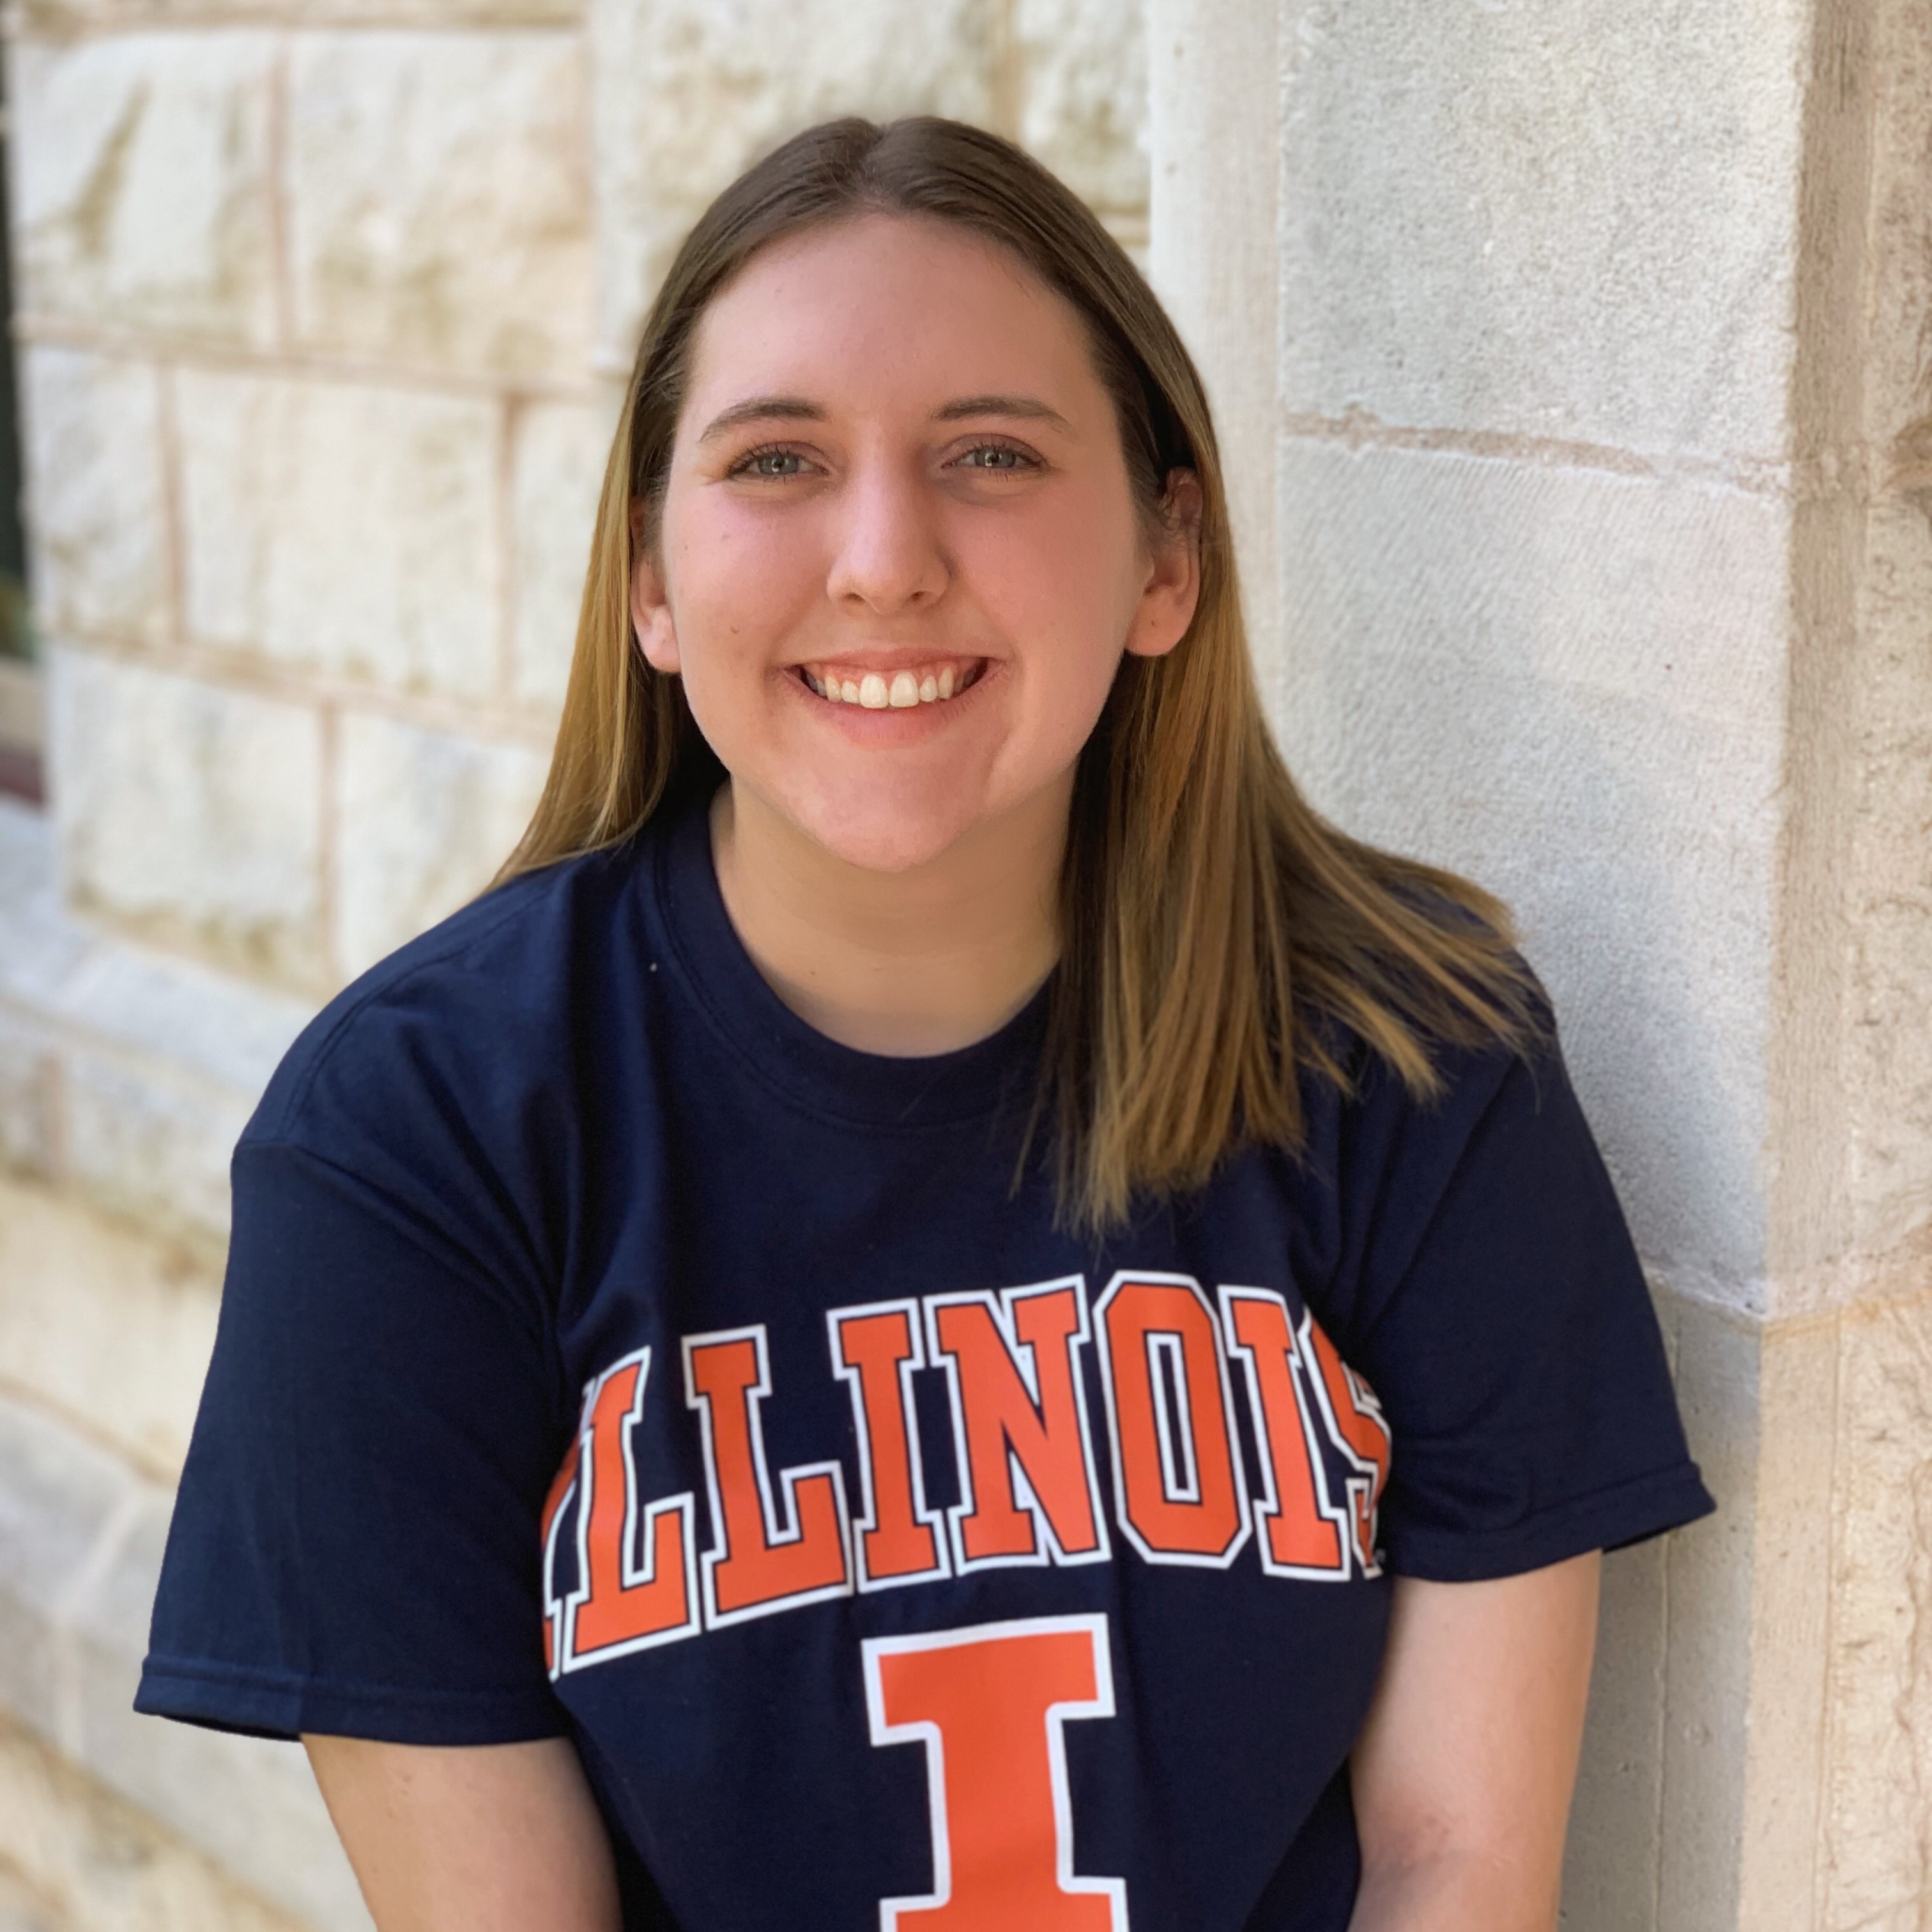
[(800, 408)]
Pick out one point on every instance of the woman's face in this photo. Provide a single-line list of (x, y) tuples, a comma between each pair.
[(898, 558)]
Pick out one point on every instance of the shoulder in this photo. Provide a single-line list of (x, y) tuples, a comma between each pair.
[(472, 1011)]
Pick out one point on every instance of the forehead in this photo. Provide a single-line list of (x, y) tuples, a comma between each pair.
[(885, 309)]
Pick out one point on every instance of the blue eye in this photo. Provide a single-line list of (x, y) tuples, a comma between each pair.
[(768, 462), (995, 456)]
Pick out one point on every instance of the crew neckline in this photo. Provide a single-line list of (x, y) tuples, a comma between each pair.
[(836, 1081)]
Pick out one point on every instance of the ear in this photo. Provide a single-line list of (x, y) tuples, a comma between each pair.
[(1173, 586), (650, 607)]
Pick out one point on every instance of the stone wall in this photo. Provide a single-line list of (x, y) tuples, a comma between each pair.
[(1591, 557), (321, 307)]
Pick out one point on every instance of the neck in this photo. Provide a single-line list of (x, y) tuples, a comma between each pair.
[(919, 961)]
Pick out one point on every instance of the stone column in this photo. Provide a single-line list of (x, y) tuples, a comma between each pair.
[(1590, 341)]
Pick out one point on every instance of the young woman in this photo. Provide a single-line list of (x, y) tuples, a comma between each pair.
[(944, 1311)]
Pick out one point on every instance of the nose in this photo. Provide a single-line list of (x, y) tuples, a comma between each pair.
[(890, 557)]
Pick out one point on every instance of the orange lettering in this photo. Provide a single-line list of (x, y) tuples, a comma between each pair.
[(874, 1350)]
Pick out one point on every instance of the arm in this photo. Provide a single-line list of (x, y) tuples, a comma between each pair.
[(493, 1838), (1463, 1772)]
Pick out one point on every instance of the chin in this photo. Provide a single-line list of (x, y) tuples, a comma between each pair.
[(891, 832)]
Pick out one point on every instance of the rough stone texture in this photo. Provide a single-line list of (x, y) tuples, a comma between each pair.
[(28, 1071), (80, 1547), (1879, 1826), (1572, 220), (557, 454), (426, 818), (343, 529), (95, 495), (191, 812), (1083, 97), (1566, 683), (58, 16), (438, 199), (89, 1861), (112, 1327), (141, 186), (687, 92)]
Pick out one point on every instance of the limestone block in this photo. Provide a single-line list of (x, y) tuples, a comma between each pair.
[(141, 167), (112, 1327), (44, 945), (688, 92), (191, 812), (59, 16), (95, 1864), (557, 454), (60, 1501), (1083, 95), (1879, 1823), (1569, 684), (81, 1538), (343, 529), (28, 1070), (146, 1144), (439, 199), (95, 494), (1574, 221), (425, 820)]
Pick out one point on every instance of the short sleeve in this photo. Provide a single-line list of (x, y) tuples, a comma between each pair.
[(1504, 1321), (355, 1546)]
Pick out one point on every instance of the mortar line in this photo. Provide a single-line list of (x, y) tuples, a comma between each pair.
[(1753, 476), (79, 29), (489, 722), (1821, 1864), (31, 329), (509, 422), (174, 522), (278, 195)]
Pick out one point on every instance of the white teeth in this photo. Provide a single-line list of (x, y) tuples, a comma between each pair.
[(905, 693), (946, 682), (848, 692), (928, 691), (872, 692)]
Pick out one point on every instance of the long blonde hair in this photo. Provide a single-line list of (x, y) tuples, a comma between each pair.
[(1211, 921)]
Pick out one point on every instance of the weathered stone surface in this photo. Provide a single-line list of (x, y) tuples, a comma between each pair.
[(343, 529), (1083, 96), (95, 494), (58, 17), (557, 454), (92, 1863), (1575, 220), (141, 169), (1567, 683), (110, 1327), (1879, 1824), (439, 203), (425, 819), (191, 812), (81, 1538), (688, 92), (28, 1069)]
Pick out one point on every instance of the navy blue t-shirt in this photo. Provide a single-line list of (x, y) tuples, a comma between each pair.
[(606, 1353)]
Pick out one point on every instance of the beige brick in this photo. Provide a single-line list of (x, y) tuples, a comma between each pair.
[(426, 818), (191, 812), (343, 529), (689, 92), (558, 452), (110, 1327), (28, 1069), (1878, 1829), (440, 205), (1083, 106), (1575, 220), (1568, 683), (95, 494), (142, 173), (58, 17), (95, 1864)]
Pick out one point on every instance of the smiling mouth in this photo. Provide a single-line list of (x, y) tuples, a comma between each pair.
[(937, 682)]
